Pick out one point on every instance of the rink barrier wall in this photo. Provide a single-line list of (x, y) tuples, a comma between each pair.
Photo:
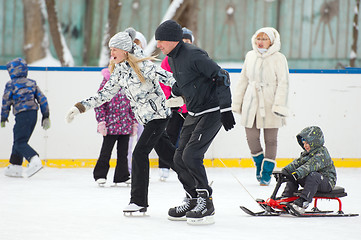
[(82, 147), (208, 163)]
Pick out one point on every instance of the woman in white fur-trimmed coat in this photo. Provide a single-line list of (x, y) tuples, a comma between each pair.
[(261, 98)]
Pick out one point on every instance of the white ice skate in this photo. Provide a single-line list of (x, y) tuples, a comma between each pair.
[(14, 171), (163, 174), (34, 166), (134, 208), (101, 182), (122, 184)]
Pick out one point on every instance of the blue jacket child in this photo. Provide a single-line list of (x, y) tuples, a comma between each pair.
[(25, 96)]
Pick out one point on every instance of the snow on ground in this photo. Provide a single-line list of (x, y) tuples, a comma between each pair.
[(67, 204)]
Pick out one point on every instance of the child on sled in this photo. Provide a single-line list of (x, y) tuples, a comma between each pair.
[(313, 170)]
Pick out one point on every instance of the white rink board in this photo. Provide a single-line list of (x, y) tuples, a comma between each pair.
[(331, 101)]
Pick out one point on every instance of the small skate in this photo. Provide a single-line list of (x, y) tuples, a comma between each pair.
[(14, 171), (134, 208), (101, 182), (34, 166), (163, 174)]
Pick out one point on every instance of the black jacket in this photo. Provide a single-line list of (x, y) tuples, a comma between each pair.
[(195, 75)]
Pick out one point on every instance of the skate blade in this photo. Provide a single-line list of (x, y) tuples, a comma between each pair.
[(162, 179), (201, 221), (135, 214), (15, 175), (177, 218), (121, 185)]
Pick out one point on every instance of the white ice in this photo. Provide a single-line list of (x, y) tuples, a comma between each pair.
[(67, 204)]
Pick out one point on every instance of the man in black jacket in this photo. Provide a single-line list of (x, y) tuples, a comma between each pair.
[(206, 90)]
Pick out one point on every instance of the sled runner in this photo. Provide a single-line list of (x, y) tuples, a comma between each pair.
[(276, 206)]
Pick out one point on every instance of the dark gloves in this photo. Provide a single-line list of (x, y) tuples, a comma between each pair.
[(3, 120), (293, 177), (45, 123), (227, 120)]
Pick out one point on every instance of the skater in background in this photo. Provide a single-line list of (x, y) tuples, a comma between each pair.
[(178, 114), (313, 170), (115, 122), (141, 41), (138, 78), (261, 97), (206, 89), (25, 96)]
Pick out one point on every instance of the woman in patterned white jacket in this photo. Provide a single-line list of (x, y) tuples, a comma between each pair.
[(139, 79)]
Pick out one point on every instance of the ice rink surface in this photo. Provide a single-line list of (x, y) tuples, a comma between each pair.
[(67, 204)]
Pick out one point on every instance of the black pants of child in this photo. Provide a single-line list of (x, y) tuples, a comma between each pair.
[(312, 183), (197, 135), (121, 173), (153, 136)]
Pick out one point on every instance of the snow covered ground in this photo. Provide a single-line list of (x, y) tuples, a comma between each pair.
[(67, 204)]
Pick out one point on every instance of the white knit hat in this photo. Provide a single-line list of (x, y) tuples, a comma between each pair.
[(123, 40), (141, 38)]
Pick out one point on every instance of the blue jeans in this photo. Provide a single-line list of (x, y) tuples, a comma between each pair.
[(24, 126)]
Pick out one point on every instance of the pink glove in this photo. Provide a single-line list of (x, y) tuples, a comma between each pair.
[(135, 129), (102, 129)]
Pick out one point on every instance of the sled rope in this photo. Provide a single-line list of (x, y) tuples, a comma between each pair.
[(237, 179)]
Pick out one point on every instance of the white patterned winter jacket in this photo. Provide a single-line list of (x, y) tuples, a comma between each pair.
[(146, 99), (262, 92)]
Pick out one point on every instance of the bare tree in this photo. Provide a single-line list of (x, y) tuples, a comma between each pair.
[(187, 16), (353, 54), (88, 30), (34, 32), (185, 12), (110, 29), (61, 48)]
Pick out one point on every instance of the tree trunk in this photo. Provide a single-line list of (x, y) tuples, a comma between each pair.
[(88, 30), (187, 16), (61, 49), (353, 54), (34, 31), (110, 30)]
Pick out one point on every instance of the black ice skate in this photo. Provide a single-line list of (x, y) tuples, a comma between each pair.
[(134, 208), (179, 213), (203, 213)]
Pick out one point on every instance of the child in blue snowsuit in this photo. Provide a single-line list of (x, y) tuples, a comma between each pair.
[(25, 96), (313, 170)]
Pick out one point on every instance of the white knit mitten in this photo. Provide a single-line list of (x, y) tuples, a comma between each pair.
[(174, 102), (71, 114)]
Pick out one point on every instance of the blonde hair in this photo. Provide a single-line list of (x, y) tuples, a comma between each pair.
[(133, 62)]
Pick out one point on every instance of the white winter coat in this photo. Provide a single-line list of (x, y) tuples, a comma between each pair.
[(262, 92), (146, 99)]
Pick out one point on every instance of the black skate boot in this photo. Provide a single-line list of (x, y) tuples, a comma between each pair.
[(203, 213), (179, 213), (298, 207)]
